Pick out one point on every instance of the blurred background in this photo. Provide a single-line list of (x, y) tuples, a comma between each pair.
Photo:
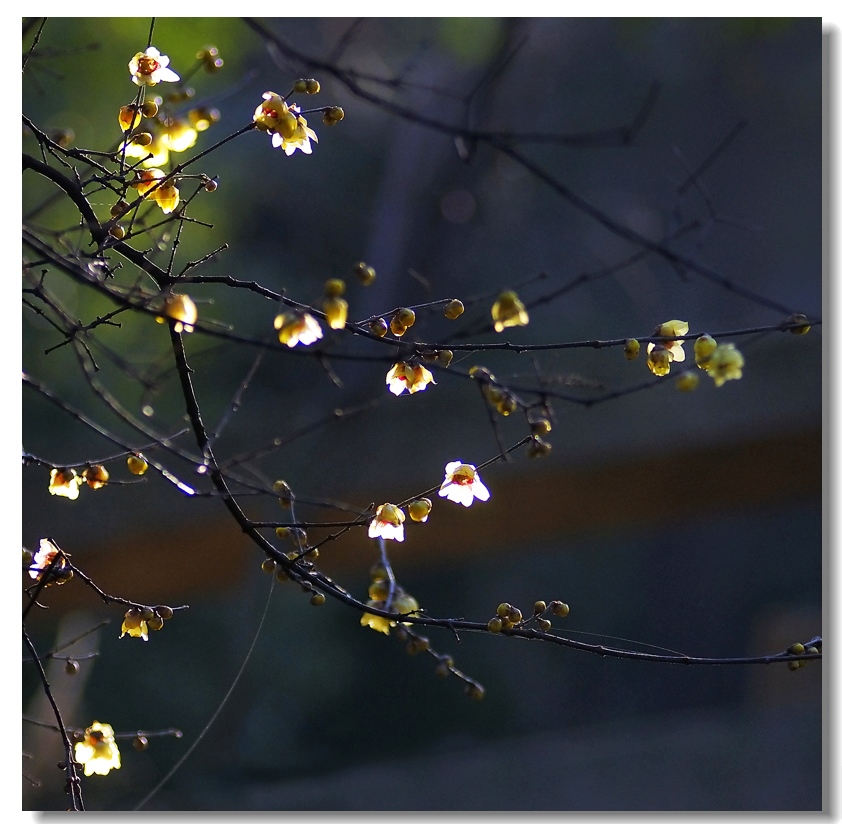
[(689, 522)]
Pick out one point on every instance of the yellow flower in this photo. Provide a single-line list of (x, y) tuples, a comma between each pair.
[(703, 348), (60, 572), (150, 68), (167, 197), (387, 523), (134, 625), (631, 349), (179, 135), (670, 329), (160, 154), (658, 360), (403, 603), (96, 476), (128, 118), (405, 376), (268, 114), (508, 310), (183, 311), (297, 327), (725, 364), (147, 179), (65, 483), (293, 133), (462, 484), (98, 750), (336, 311)]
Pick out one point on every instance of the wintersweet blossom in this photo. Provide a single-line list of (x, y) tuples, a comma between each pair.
[(134, 625), (65, 483), (297, 327), (269, 113), (48, 550), (671, 329), (405, 376), (150, 68), (154, 155), (703, 348), (387, 523), (182, 310), (402, 603), (462, 484), (508, 310), (98, 751), (725, 364), (297, 138)]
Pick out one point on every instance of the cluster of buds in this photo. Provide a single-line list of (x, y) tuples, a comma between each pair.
[(498, 397), (800, 649), (443, 357), (138, 621), (401, 321), (506, 617), (364, 273), (378, 594)]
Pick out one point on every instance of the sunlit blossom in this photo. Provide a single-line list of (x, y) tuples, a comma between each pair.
[(462, 484), (268, 114), (48, 550), (703, 348), (65, 483), (134, 625), (298, 137), (387, 523), (150, 68), (336, 311), (182, 310), (154, 155), (658, 360), (167, 197), (508, 310), (297, 327), (98, 751), (725, 364), (402, 603), (671, 329), (179, 135), (413, 378)]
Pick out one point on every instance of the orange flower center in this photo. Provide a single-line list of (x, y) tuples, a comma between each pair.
[(147, 65)]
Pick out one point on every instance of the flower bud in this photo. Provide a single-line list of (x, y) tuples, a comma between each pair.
[(317, 599), (475, 691), (540, 426), (419, 509), (117, 232), (137, 464), (96, 477), (268, 566), (444, 357), (538, 448), (703, 348), (687, 381), (300, 86), (149, 108), (559, 608), (379, 327), (365, 273), (164, 611), (312, 86), (544, 624), (397, 329), (334, 288), (453, 309), (504, 609), (405, 317), (631, 349), (495, 624), (798, 317), (538, 607), (140, 743), (71, 667)]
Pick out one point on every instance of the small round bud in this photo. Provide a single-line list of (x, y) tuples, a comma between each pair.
[(335, 114), (146, 613), (142, 139), (27, 557), (504, 609), (71, 667), (397, 329), (149, 108), (794, 665), (117, 232), (137, 464), (155, 623), (515, 615), (475, 691), (140, 743), (419, 509), (312, 86), (703, 347), (379, 327), (559, 608), (540, 427), (480, 373), (798, 317), (378, 590), (544, 624), (334, 287), (119, 208), (444, 357), (211, 185), (442, 670), (453, 309), (687, 381), (268, 566), (495, 624), (538, 448), (538, 607), (164, 611), (317, 599), (284, 493), (300, 86), (506, 405), (405, 317), (811, 651), (365, 274), (796, 649), (631, 349)]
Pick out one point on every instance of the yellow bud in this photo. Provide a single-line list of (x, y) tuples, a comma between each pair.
[(336, 311), (508, 310), (703, 348), (495, 624), (504, 609), (798, 317), (796, 649), (659, 360), (405, 317), (540, 426), (475, 691), (506, 405), (365, 273), (268, 566), (137, 464), (538, 448), (453, 309), (149, 109), (379, 327), (164, 611), (119, 208), (300, 86), (334, 114), (631, 349), (96, 476), (419, 509), (559, 608), (317, 599), (397, 329), (312, 86), (515, 615), (211, 185), (117, 232), (538, 607), (334, 288), (687, 381), (544, 624), (283, 531), (142, 139), (444, 357)]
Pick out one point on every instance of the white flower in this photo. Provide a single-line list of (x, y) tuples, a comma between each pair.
[(387, 523), (462, 484), (297, 327), (150, 68)]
